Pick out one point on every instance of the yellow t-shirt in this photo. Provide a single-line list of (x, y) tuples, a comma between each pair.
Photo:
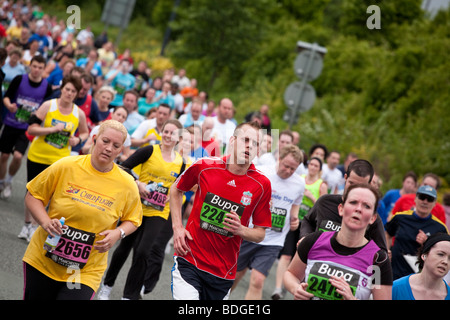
[(162, 174), (52, 147), (92, 202)]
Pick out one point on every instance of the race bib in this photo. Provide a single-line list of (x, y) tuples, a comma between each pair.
[(157, 196), (213, 213), (73, 249), (303, 211), (278, 218), (23, 113), (319, 285)]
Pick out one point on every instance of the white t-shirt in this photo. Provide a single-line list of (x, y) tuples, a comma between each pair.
[(223, 131), (331, 177), (143, 128), (285, 193)]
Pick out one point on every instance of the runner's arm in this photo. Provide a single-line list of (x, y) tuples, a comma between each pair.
[(179, 232)]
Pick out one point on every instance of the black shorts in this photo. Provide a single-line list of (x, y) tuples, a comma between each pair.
[(38, 286), (34, 168), (13, 139), (191, 283), (290, 244)]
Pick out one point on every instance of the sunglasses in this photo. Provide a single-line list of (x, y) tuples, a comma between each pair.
[(425, 197)]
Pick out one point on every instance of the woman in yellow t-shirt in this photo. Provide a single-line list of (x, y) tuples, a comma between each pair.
[(92, 193), (53, 126), (160, 167)]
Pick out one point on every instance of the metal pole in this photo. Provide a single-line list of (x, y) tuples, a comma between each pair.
[(168, 29), (304, 81)]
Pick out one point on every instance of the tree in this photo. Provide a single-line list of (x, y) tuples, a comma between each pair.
[(220, 34)]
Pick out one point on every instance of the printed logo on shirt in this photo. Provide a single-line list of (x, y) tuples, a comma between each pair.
[(329, 225), (246, 198), (232, 183), (89, 197)]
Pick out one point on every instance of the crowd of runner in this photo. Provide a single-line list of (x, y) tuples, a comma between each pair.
[(61, 87)]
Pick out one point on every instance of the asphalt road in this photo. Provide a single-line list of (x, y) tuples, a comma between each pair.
[(13, 248)]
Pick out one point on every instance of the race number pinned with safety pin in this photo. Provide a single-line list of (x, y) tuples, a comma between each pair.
[(319, 285), (213, 213)]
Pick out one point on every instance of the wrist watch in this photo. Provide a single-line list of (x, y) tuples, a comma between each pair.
[(122, 233)]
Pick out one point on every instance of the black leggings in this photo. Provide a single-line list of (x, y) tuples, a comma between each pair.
[(142, 242), (38, 286)]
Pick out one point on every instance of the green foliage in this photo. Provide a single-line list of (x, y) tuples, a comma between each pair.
[(382, 93)]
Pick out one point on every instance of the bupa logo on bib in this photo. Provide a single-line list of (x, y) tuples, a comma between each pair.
[(246, 198)]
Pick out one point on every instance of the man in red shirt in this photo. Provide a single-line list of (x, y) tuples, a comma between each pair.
[(230, 193), (407, 201)]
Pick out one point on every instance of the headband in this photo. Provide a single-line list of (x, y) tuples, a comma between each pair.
[(433, 239)]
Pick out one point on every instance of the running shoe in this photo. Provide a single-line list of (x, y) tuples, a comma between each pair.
[(104, 292), (25, 231), (278, 294), (31, 231), (7, 191)]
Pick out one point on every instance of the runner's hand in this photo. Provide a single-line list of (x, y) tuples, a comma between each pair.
[(111, 237), (232, 223), (179, 241), (301, 293)]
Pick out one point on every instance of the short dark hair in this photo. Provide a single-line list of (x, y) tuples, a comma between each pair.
[(3, 55), (73, 80), (362, 168), (319, 146), (39, 59), (369, 186), (410, 174)]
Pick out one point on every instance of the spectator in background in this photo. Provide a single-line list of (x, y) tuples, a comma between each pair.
[(142, 77), (407, 201), (331, 175), (411, 229), (178, 100), (13, 67), (103, 97), (134, 119), (41, 36), (181, 79), (270, 158), (209, 142), (409, 186), (189, 91), (146, 102), (122, 81), (210, 109), (194, 116), (106, 56), (91, 64), (446, 201), (33, 50)]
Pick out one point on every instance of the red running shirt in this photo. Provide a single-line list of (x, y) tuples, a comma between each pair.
[(213, 249)]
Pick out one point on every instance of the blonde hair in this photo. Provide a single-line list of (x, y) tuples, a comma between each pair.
[(113, 124), (108, 89)]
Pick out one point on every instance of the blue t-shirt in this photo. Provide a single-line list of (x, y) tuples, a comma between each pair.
[(401, 289), (121, 83), (388, 201)]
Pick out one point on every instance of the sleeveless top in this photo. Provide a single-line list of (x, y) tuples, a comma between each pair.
[(28, 100), (49, 148), (159, 176), (324, 262), (307, 203)]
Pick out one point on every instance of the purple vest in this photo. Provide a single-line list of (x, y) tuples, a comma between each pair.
[(28, 100), (322, 250)]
